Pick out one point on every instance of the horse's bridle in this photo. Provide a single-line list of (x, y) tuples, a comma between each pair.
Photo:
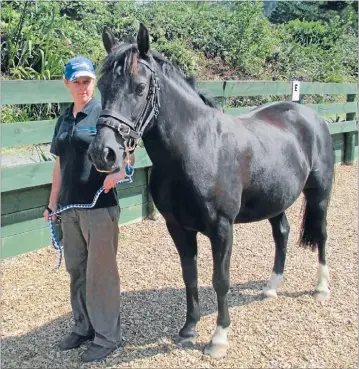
[(132, 132)]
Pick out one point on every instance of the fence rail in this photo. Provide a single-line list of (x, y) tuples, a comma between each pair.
[(25, 188)]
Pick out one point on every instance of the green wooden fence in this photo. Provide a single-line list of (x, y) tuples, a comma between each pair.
[(25, 188)]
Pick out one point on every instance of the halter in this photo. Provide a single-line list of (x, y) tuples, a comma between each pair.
[(130, 131)]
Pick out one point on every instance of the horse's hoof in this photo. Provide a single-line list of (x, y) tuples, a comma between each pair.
[(321, 296), (217, 351), (269, 292), (186, 342)]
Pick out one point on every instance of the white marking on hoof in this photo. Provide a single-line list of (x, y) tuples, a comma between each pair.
[(220, 336), (322, 291), (321, 296), (270, 290), (216, 351), (218, 346)]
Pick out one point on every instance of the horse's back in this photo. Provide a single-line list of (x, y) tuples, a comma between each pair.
[(286, 114), (292, 121), (288, 142)]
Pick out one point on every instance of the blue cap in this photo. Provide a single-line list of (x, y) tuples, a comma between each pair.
[(79, 66)]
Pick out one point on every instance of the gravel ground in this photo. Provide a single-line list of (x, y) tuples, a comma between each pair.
[(31, 154), (291, 331)]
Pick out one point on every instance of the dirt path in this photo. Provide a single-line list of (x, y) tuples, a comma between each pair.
[(292, 331)]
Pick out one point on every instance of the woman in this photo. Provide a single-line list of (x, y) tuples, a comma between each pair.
[(90, 236)]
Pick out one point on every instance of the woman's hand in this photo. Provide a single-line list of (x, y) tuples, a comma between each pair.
[(111, 179), (46, 213)]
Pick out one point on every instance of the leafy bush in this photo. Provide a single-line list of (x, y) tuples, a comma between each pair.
[(38, 36), (178, 52), (286, 11), (29, 112), (310, 41), (33, 43), (240, 34), (317, 51)]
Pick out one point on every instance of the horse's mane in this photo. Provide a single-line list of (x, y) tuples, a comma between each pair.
[(128, 54), (203, 94)]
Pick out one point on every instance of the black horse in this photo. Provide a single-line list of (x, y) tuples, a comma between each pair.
[(211, 170)]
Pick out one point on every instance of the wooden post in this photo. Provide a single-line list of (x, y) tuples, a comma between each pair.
[(296, 96), (152, 212), (349, 137), (296, 91), (224, 99), (63, 107)]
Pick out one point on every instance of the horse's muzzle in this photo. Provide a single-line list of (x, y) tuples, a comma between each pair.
[(104, 159)]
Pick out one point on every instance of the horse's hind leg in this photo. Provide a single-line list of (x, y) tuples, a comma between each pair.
[(221, 236), (186, 244), (314, 234), (280, 231)]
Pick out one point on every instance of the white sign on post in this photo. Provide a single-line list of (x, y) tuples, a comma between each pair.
[(296, 91)]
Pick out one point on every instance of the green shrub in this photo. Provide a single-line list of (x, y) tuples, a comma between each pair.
[(178, 52), (316, 51), (29, 112), (308, 42)]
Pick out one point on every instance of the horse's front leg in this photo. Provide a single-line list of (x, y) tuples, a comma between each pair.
[(221, 241), (186, 244)]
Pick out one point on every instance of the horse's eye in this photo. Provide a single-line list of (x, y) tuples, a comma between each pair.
[(140, 88)]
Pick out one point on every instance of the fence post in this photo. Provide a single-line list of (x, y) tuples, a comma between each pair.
[(349, 137), (152, 212), (63, 107), (296, 96)]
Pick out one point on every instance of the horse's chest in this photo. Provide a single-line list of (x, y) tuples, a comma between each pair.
[(178, 201)]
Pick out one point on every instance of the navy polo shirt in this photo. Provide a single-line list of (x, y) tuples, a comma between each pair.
[(72, 137)]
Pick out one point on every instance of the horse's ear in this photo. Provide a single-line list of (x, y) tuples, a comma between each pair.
[(143, 40), (108, 39)]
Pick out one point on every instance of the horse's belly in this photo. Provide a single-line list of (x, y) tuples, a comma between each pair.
[(249, 215), (262, 206)]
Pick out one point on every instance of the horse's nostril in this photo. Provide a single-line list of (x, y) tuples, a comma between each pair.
[(109, 155)]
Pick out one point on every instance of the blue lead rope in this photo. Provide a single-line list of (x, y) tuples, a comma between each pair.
[(55, 243)]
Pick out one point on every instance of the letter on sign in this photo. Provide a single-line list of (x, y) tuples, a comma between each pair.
[(295, 91)]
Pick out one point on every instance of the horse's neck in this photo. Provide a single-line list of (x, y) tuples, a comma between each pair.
[(180, 112), (180, 102)]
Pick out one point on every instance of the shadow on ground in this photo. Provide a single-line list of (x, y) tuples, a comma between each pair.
[(150, 319)]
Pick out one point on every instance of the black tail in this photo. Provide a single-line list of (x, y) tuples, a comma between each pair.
[(317, 194), (314, 223), (308, 234)]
